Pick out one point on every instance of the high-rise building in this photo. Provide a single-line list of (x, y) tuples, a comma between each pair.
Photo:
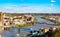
[(1, 21)]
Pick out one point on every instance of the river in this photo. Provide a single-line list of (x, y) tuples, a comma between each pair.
[(41, 24)]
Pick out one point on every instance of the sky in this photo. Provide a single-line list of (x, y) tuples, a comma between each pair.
[(30, 6)]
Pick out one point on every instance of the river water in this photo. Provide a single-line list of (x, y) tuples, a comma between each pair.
[(37, 26)]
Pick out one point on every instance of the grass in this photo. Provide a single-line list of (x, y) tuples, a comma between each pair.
[(57, 33), (56, 22), (23, 25)]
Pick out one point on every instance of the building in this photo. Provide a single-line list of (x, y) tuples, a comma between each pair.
[(1, 21)]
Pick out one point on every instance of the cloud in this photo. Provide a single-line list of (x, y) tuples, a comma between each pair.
[(53, 1), (28, 9)]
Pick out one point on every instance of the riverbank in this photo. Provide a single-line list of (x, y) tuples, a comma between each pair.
[(55, 21), (57, 33)]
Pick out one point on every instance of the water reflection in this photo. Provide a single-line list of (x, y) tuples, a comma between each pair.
[(12, 32)]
